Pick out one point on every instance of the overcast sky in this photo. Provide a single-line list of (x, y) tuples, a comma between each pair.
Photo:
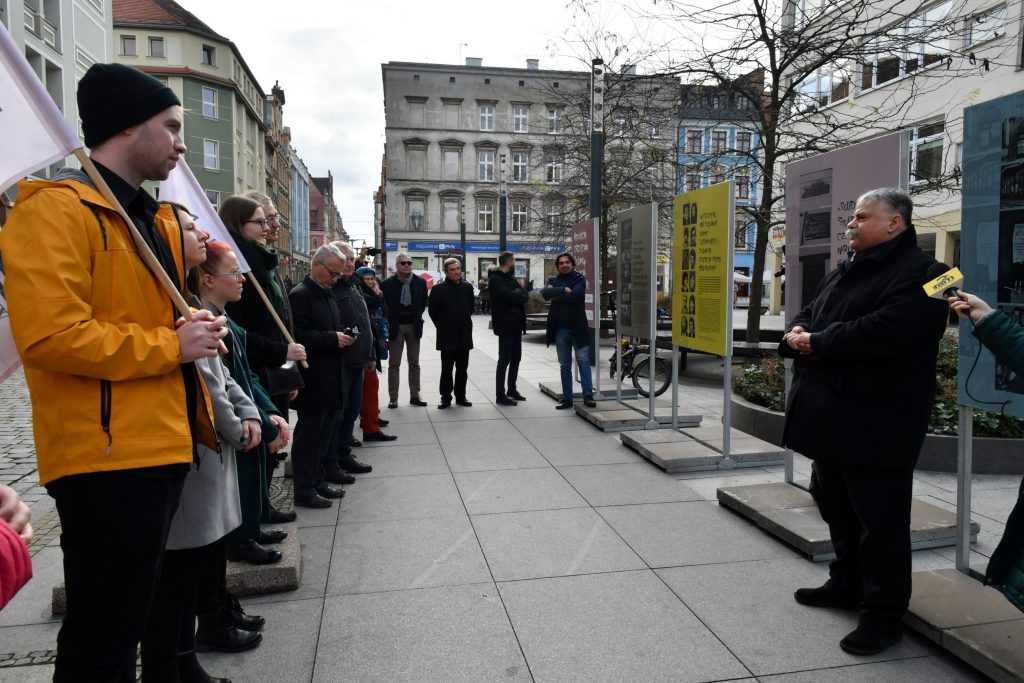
[(327, 56)]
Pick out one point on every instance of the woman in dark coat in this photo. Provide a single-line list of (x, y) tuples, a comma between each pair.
[(369, 416)]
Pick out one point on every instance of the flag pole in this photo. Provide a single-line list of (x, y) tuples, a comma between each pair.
[(270, 307), (144, 251)]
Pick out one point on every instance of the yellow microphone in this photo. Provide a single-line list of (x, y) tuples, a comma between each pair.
[(945, 281)]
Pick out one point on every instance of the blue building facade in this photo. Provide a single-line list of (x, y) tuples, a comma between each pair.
[(718, 141)]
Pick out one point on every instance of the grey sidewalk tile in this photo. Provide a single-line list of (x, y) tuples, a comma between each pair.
[(480, 410), (538, 406), (383, 499), (677, 534), (316, 561), (311, 517), (539, 429), (493, 454), (387, 556), (992, 503), (526, 545), (400, 461), (516, 491), (32, 604), (931, 669), (29, 637), (625, 626), (434, 634), (27, 674), (287, 652), (750, 607), (707, 486), (927, 560), (627, 484), (475, 433), (599, 449), (408, 433), (404, 414)]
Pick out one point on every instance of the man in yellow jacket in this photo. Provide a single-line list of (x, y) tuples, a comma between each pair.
[(118, 407)]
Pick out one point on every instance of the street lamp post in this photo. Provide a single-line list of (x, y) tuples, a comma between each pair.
[(502, 209), (462, 234)]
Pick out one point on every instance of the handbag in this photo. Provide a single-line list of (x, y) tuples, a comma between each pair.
[(284, 379)]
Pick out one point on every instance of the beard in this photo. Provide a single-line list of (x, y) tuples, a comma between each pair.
[(851, 233)]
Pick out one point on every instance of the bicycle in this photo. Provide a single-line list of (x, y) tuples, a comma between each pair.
[(636, 365)]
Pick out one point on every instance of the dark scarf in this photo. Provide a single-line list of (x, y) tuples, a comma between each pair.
[(263, 262)]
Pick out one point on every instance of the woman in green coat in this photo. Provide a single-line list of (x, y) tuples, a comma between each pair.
[(1005, 339)]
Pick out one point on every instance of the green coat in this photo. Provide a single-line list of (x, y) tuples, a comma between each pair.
[(252, 466), (1005, 339)]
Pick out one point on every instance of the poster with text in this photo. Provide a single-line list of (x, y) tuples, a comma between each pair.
[(992, 251), (635, 260), (702, 269), (821, 194), (583, 247)]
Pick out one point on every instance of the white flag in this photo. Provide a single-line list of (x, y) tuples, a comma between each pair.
[(33, 132), (182, 187)]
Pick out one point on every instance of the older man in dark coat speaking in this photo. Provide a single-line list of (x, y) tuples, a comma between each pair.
[(451, 309), (863, 387)]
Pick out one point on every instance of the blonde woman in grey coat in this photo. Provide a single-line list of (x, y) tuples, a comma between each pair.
[(208, 510)]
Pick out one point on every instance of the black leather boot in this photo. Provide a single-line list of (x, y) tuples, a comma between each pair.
[(216, 633)]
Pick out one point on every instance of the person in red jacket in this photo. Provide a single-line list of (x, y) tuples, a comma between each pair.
[(15, 533)]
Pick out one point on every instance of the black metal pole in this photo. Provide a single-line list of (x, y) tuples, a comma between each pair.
[(502, 209), (462, 235), (596, 170)]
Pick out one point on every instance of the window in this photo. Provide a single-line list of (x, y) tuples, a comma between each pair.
[(986, 26), (520, 216), (520, 167), (209, 103), (653, 127), (553, 168), (415, 213), (742, 233), (827, 85), (156, 47), (416, 158), (128, 46), (521, 118), (211, 155), (485, 216), (743, 140), (486, 117), (692, 178), (452, 113), (619, 119), (742, 177), (552, 214), (926, 151), (930, 32), (719, 141), (214, 197), (554, 121), (694, 141), (485, 165), (717, 175), (209, 57), (451, 164), (450, 214)]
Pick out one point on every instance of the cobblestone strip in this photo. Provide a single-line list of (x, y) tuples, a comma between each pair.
[(36, 657), (17, 447)]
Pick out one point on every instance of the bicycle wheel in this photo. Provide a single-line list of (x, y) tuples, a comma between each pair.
[(642, 380)]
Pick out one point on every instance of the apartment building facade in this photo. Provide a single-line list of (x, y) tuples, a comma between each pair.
[(299, 213)]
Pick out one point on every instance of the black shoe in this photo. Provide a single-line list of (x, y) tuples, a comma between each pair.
[(505, 401), (282, 517), (588, 401), (314, 501), (356, 443), (463, 402), (352, 465), (271, 536), (379, 436), (826, 596), (237, 616), (252, 552), (444, 404), (382, 422), (393, 404), (326, 491), (191, 671), (516, 396), (867, 641), (216, 634), (417, 402), (336, 476), (564, 404)]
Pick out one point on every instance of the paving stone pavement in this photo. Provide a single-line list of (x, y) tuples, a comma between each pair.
[(521, 543)]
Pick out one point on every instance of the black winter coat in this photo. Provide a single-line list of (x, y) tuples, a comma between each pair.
[(392, 291), (567, 308), (508, 303), (865, 393), (352, 311), (451, 309), (316, 327)]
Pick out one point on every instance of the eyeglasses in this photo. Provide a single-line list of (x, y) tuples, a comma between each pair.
[(273, 219), (261, 221), (237, 274), (334, 273), (405, 263)]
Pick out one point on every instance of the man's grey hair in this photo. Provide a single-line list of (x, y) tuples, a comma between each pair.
[(402, 255), (894, 198), (258, 197), (448, 262), (326, 251), (343, 246)]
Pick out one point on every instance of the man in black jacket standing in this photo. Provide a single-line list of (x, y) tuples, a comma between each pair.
[(405, 294), (451, 309), (354, 360), (508, 320), (863, 387), (318, 328)]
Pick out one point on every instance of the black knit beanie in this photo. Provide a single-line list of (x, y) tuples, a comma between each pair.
[(115, 97)]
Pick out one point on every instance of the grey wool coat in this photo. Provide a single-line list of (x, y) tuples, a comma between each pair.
[(210, 506)]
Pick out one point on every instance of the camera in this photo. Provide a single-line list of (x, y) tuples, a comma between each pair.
[(373, 251)]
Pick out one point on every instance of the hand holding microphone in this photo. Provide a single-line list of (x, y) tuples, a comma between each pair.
[(969, 306)]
